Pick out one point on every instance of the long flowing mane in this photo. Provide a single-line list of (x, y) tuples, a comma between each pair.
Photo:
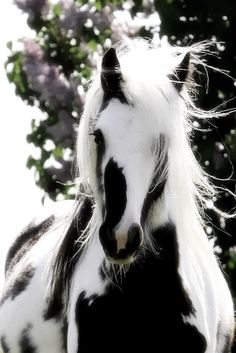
[(132, 246), (146, 71), (144, 68)]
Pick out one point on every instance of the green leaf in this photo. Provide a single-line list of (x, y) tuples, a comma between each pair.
[(92, 44), (58, 152), (57, 10)]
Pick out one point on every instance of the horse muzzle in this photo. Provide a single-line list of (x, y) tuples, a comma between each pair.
[(121, 248)]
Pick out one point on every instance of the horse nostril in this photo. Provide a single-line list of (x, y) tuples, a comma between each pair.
[(135, 236)]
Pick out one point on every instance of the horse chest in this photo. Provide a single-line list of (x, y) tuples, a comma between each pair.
[(143, 312)]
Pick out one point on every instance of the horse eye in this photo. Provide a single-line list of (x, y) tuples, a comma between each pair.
[(98, 137)]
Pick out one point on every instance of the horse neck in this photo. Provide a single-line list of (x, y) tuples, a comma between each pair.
[(179, 206), (178, 203)]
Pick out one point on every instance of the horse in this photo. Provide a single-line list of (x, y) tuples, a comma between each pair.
[(126, 266)]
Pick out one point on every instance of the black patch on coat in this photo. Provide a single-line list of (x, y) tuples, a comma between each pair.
[(115, 194), (166, 243), (157, 187), (111, 78), (18, 285), (143, 312), (67, 257), (108, 95), (4, 345), (25, 241), (100, 154), (25, 343), (115, 203)]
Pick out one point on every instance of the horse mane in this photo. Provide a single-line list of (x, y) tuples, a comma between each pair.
[(67, 255), (144, 67), (153, 65)]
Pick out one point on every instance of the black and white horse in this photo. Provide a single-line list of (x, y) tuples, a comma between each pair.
[(127, 267)]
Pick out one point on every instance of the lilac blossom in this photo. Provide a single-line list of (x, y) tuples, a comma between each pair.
[(63, 131), (46, 78), (33, 7), (74, 17)]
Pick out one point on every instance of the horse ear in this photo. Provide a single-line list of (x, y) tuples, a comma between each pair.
[(111, 75), (183, 73)]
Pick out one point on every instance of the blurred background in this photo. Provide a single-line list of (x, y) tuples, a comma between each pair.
[(49, 51)]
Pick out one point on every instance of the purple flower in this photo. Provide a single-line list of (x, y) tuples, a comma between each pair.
[(46, 78), (32, 7), (33, 50), (63, 131), (74, 17)]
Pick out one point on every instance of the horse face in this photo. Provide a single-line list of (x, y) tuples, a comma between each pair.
[(125, 167), (125, 144)]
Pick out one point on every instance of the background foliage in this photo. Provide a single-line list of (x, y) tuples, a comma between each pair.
[(51, 70)]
